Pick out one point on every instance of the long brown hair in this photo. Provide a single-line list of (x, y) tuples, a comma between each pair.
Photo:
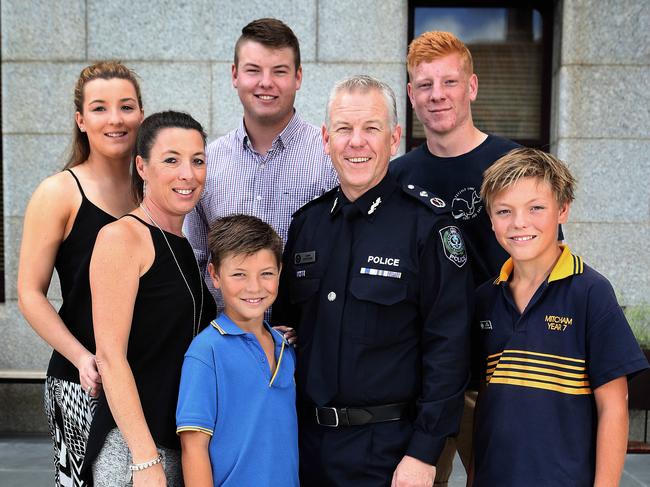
[(102, 70)]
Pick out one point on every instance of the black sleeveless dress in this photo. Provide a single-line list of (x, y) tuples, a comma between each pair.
[(161, 332), (72, 263), (68, 408)]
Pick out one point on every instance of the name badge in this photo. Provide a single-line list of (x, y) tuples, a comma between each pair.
[(304, 257)]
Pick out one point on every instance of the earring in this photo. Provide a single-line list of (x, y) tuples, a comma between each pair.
[(82, 129), (144, 187)]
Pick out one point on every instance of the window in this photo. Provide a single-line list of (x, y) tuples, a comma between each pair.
[(511, 45)]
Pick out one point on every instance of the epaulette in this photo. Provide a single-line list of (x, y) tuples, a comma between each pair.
[(430, 200), (315, 201)]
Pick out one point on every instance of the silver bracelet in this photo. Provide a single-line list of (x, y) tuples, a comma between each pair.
[(136, 467)]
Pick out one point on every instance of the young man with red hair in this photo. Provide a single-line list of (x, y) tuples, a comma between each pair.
[(442, 85)]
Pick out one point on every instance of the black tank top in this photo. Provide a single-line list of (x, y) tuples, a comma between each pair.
[(161, 332), (72, 264)]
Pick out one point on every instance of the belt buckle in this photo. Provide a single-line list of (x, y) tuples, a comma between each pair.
[(336, 416)]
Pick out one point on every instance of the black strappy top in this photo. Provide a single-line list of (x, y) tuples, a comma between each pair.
[(161, 332), (72, 264)]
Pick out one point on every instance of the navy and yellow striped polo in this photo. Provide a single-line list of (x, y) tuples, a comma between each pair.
[(536, 422)]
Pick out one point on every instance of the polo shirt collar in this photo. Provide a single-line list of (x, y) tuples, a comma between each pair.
[(567, 265), (225, 326), (283, 139), (369, 202)]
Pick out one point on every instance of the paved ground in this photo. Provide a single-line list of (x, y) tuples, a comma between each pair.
[(25, 462)]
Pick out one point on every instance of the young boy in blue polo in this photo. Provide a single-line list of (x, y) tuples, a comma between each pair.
[(236, 413), (554, 345)]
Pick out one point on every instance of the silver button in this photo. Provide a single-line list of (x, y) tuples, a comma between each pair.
[(331, 296), (259, 197), (410, 186)]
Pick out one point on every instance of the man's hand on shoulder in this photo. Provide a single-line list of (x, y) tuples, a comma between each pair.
[(412, 472)]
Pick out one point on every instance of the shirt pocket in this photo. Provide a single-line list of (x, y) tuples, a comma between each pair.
[(380, 309), (301, 292)]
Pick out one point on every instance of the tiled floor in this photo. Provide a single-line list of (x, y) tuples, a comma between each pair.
[(25, 462)]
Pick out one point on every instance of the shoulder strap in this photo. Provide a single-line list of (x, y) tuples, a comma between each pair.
[(430, 200), (81, 190), (137, 218)]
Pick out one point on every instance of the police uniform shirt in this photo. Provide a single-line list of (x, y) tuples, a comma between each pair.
[(458, 180), (537, 417), (405, 325)]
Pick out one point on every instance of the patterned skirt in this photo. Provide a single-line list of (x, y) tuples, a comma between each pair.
[(69, 411)]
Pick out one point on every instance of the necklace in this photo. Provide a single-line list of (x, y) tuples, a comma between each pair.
[(195, 323)]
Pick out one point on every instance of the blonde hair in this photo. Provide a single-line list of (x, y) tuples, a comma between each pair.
[(435, 45), (101, 70), (528, 163)]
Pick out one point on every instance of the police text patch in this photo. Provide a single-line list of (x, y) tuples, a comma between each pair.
[(453, 245)]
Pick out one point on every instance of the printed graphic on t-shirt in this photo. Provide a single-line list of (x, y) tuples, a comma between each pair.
[(467, 204), (558, 323)]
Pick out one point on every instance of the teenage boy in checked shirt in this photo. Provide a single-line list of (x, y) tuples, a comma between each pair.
[(274, 162), (236, 412), (554, 345)]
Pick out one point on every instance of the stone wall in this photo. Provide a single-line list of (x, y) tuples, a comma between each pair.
[(600, 126)]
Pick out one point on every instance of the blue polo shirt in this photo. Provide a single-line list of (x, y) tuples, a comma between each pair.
[(537, 417), (228, 392)]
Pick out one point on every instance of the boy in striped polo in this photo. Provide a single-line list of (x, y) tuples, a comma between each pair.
[(554, 345)]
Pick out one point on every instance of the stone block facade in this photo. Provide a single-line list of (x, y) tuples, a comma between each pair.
[(601, 114)]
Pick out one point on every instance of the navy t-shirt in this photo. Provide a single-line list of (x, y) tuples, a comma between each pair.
[(458, 180)]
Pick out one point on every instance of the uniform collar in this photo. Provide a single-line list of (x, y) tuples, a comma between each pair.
[(567, 265), (225, 326), (283, 139), (370, 202)]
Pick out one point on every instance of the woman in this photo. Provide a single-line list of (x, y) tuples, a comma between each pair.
[(62, 220), (149, 301)]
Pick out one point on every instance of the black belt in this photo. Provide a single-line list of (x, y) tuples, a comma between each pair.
[(357, 416)]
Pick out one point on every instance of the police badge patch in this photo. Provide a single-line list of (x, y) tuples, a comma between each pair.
[(453, 245)]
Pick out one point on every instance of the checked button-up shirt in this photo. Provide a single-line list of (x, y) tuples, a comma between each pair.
[(271, 187)]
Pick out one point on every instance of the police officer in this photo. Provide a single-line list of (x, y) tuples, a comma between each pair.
[(376, 280)]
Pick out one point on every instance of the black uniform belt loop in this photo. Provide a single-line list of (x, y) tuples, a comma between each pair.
[(358, 416)]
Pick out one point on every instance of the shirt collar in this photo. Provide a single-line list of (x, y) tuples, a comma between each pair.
[(225, 326), (567, 265), (283, 139), (369, 202)]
